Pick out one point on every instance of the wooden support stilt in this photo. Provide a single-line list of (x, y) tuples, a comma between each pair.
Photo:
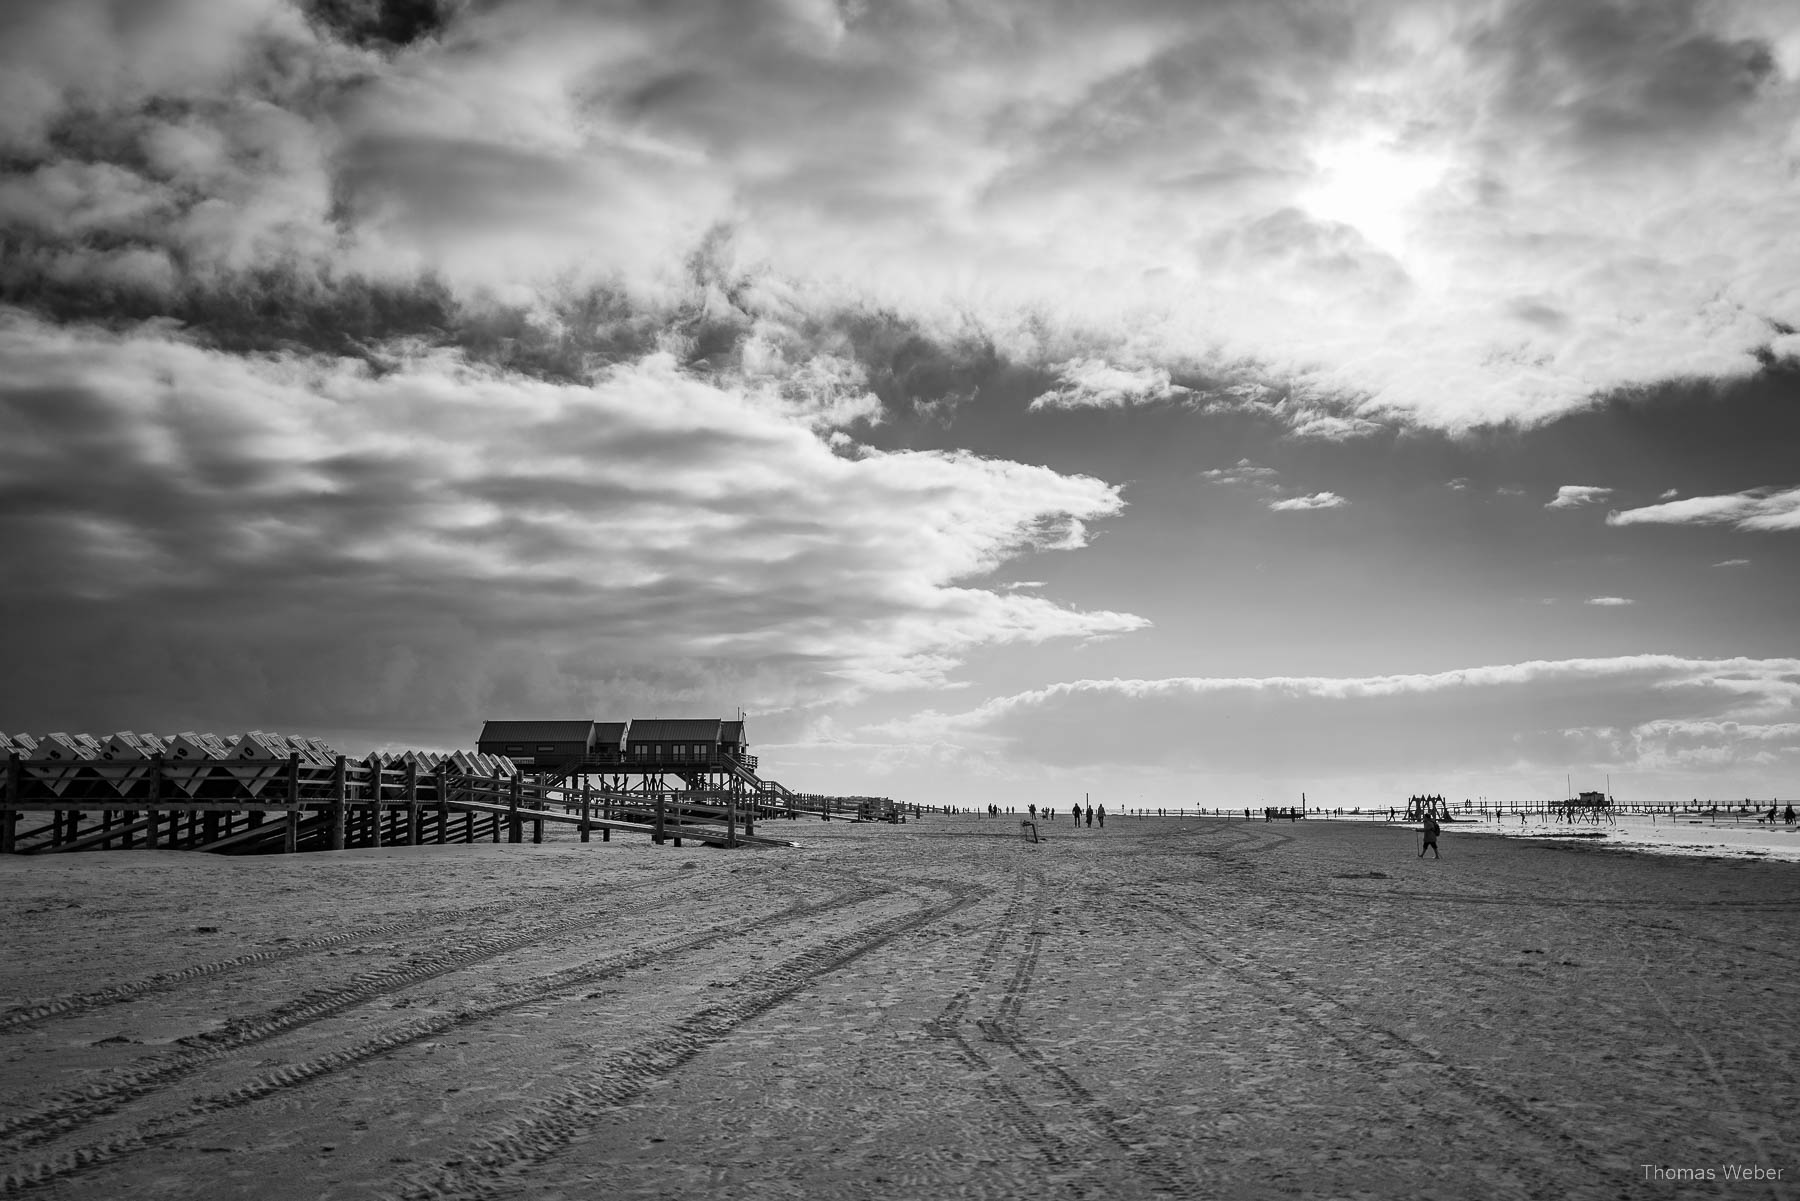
[(15, 797), (375, 816), (412, 804), (515, 831), (731, 822), (155, 787), (657, 838), (443, 806), (339, 805), (290, 838)]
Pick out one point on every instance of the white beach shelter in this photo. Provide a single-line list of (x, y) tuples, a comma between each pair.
[(257, 760), (122, 761), (57, 759), (189, 758)]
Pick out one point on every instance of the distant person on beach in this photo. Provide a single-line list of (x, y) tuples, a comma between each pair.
[(1033, 808), (1787, 816), (1103, 815), (1090, 817), (1430, 839)]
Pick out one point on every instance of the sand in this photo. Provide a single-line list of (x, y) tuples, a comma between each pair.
[(1163, 1009)]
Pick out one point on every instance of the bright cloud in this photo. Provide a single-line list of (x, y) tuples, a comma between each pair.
[(1756, 509), (1609, 602), (1450, 215), (1649, 713), (1573, 496), (1245, 472), (1318, 500), (1094, 383)]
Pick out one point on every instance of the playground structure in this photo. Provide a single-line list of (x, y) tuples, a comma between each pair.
[(1418, 808)]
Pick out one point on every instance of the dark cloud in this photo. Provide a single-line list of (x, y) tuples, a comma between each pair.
[(383, 23), (303, 525), (1609, 75)]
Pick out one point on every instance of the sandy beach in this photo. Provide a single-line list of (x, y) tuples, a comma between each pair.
[(937, 1009)]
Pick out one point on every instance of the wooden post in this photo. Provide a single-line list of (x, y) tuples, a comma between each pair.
[(443, 796), (290, 837), (749, 815), (412, 803), (730, 821), (374, 770), (339, 803), (586, 808), (657, 837), (515, 831), (155, 786), (15, 796)]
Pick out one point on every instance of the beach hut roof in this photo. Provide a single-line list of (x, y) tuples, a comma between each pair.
[(536, 731), (609, 734), (675, 729)]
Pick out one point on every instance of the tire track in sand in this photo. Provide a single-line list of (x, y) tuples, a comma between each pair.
[(508, 997), (71, 1110), (495, 1167), (74, 1004), (1023, 1082), (1375, 1048)]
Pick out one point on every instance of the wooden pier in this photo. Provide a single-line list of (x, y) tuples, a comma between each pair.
[(54, 805)]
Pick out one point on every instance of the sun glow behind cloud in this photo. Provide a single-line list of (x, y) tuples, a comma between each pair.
[(1374, 186)]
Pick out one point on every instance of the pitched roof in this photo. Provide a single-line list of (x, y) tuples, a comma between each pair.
[(675, 729), (731, 732), (609, 733), (536, 731)]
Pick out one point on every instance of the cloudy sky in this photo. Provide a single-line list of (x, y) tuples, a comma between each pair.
[(1182, 402)]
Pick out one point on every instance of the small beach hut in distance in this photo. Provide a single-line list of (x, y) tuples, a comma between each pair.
[(537, 742)]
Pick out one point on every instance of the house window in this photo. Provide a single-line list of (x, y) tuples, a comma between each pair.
[(546, 747), (515, 750)]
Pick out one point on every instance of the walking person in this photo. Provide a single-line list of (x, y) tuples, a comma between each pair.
[(1090, 817), (1103, 815), (1430, 838)]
